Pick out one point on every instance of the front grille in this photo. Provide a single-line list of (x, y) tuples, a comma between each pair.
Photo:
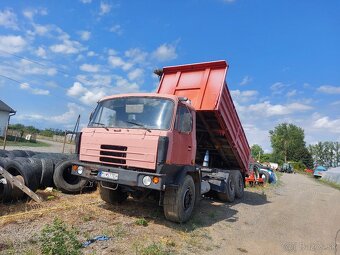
[(113, 154)]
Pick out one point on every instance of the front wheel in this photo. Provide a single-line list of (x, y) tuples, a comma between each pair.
[(179, 203), (112, 196), (239, 184)]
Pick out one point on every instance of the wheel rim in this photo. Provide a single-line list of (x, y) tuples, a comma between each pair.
[(187, 199)]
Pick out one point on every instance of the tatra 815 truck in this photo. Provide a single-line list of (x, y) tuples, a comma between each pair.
[(177, 144)]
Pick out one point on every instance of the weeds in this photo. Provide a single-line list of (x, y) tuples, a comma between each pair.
[(141, 222), (154, 249), (58, 239)]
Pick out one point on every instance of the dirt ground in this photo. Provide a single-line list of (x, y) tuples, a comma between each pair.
[(297, 216), (54, 147)]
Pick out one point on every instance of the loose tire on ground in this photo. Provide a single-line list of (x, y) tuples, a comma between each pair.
[(47, 171), (65, 181), (266, 174), (239, 184), (179, 203), (112, 196), (229, 194)]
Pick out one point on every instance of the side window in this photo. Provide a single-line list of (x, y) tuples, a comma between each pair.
[(183, 120)]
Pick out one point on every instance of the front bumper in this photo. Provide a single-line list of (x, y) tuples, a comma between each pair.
[(125, 177)]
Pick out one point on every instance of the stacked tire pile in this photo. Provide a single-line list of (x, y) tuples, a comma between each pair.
[(38, 171)]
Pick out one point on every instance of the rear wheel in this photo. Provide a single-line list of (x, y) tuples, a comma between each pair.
[(239, 184), (229, 194), (179, 203), (110, 196)]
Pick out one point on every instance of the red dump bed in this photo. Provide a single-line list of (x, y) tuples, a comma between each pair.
[(219, 129)]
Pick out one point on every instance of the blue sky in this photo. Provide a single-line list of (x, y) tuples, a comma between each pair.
[(59, 57)]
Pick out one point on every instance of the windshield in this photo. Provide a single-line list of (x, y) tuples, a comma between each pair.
[(133, 112)]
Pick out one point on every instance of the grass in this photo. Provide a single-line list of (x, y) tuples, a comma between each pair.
[(331, 184), (24, 144), (154, 249), (141, 222)]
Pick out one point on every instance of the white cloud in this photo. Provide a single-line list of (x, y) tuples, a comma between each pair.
[(67, 47), (91, 54), (243, 96), (336, 102), (328, 89), (41, 29), (136, 55), (85, 35), (327, 124), (246, 80), (94, 92), (116, 29), (89, 68), (229, 1), (266, 109), (165, 52), (85, 95), (8, 19), (27, 67), (104, 8), (12, 43), (76, 90), (70, 115), (116, 61), (26, 86), (278, 88), (86, 1), (291, 93), (41, 52), (136, 74), (30, 13), (96, 80)]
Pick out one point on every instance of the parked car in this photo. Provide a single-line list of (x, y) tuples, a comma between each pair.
[(319, 171)]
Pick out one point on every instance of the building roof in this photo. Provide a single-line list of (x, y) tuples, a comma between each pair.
[(5, 108)]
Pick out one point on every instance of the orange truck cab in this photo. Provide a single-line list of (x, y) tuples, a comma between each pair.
[(184, 141)]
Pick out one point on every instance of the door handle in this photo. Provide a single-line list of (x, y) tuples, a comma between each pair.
[(189, 148)]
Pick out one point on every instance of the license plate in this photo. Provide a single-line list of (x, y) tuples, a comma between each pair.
[(108, 175)]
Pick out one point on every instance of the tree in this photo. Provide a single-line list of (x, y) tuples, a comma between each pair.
[(288, 143), (325, 153), (256, 151)]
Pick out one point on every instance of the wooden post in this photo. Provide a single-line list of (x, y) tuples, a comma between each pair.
[(6, 130), (64, 142)]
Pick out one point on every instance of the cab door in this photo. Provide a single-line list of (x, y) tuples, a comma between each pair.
[(183, 148)]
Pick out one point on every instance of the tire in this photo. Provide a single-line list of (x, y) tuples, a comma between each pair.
[(265, 174), (229, 194), (65, 181), (19, 153), (112, 196), (239, 184), (47, 171), (3, 153), (3, 162), (179, 203), (16, 168)]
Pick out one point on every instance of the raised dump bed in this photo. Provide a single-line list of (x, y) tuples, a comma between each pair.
[(219, 129)]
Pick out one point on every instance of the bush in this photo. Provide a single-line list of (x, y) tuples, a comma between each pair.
[(57, 239), (298, 166)]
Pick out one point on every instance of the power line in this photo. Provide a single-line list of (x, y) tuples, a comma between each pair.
[(44, 65)]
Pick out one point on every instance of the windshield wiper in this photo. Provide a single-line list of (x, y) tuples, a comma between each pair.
[(101, 124), (139, 124)]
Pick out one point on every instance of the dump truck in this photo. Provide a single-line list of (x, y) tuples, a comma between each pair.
[(178, 144)]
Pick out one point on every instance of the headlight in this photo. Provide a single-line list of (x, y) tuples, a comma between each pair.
[(80, 169), (146, 180)]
